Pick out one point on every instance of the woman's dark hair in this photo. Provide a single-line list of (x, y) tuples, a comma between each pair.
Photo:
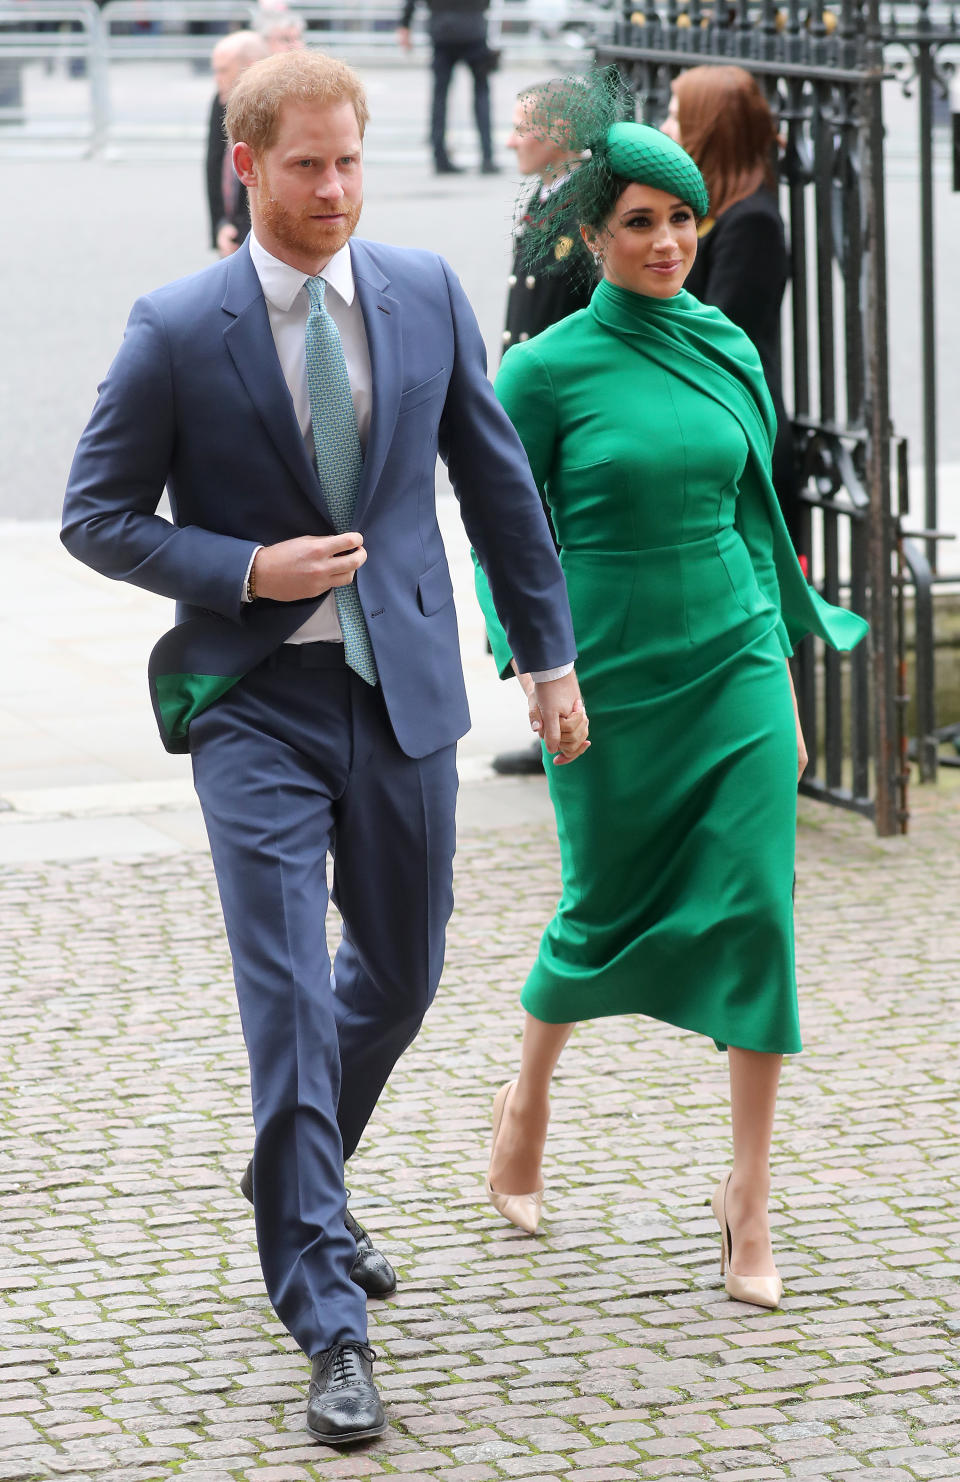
[(605, 199)]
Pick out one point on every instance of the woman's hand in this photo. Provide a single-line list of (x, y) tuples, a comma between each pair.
[(802, 757), (574, 729)]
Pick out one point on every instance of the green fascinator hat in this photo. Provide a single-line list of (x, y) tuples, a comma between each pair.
[(591, 118), (638, 153)]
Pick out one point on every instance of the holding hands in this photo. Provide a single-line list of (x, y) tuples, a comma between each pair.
[(557, 715)]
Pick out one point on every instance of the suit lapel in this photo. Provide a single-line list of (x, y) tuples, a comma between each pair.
[(249, 340), (381, 317)]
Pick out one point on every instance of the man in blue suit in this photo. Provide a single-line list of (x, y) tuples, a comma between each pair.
[(293, 399)]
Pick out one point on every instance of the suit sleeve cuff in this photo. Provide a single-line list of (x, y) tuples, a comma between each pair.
[(244, 598)]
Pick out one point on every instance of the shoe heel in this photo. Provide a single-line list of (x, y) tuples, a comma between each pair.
[(757, 1291)]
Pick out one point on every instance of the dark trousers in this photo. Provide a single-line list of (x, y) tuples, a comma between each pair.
[(293, 764), (446, 55)]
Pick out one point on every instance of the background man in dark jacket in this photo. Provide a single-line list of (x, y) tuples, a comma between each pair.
[(458, 31), (535, 300), (226, 197)]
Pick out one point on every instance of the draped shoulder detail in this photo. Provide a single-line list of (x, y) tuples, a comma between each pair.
[(702, 346)]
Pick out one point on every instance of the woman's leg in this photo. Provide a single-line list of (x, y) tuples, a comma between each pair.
[(515, 1166), (754, 1078)]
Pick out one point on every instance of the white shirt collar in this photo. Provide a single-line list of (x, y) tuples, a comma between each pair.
[(547, 188), (281, 283)]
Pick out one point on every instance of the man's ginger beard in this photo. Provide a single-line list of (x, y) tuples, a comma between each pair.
[(298, 230)]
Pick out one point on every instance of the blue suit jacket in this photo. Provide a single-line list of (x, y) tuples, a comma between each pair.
[(196, 400)]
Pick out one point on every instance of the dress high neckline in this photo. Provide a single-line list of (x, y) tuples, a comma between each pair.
[(612, 301)]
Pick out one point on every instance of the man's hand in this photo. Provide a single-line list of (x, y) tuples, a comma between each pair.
[(307, 566), (557, 714), (403, 37), (227, 240)]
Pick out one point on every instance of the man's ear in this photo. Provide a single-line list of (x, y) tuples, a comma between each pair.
[(245, 164)]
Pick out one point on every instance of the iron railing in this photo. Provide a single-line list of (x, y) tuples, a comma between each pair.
[(915, 37)]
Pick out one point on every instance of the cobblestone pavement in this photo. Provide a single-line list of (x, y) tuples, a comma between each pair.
[(136, 1339)]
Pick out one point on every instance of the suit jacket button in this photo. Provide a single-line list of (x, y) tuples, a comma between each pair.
[(512, 281), (506, 336), (531, 281), (523, 335)]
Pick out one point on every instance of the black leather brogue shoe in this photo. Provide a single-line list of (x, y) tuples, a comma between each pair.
[(343, 1404), (371, 1270)]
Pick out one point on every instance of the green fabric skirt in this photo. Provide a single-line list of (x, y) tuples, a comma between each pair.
[(677, 828)]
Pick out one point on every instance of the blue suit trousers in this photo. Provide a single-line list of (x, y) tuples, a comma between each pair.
[(296, 763)]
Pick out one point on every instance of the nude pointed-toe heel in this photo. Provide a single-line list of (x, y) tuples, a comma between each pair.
[(759, 1291), (522, 1210)]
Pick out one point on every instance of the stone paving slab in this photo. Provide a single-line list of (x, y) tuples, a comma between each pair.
[(136, 1343)]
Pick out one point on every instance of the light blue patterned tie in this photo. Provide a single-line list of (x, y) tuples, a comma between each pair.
[(339, 456)]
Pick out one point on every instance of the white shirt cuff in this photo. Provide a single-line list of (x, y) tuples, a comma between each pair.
[(246, 580), (543, 676)]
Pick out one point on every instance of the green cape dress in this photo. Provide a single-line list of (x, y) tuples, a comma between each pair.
[(649, 431)]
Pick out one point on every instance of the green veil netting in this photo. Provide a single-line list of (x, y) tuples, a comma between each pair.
[(591, 116)]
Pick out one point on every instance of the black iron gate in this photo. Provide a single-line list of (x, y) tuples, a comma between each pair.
[(823, 71)]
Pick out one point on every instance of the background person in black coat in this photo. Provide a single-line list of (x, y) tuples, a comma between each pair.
[(226, 197), (458, 32), (537, 300), (723, 120)]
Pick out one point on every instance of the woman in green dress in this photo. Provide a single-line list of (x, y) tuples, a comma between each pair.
[(649, 430)]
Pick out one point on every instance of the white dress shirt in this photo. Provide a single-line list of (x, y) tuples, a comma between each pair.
[(288, 307)]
